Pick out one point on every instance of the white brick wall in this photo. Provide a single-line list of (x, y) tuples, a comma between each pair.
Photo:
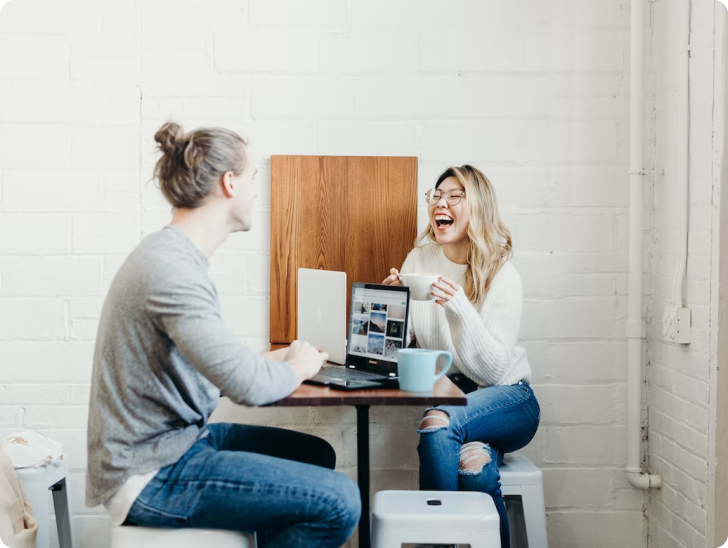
[(679, 392), (533, 92)]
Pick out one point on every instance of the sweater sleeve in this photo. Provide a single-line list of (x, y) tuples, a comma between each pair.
[(188, 313), (485, 341)]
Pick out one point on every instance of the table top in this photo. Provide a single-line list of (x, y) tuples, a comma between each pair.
[(443, 393)]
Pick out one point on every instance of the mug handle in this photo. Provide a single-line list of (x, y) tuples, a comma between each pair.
[(441, 374)]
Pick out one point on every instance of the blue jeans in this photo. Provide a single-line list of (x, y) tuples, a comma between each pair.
[(504, 418), (275, 482)]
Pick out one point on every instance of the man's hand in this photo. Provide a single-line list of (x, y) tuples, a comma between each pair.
[(305, 360)]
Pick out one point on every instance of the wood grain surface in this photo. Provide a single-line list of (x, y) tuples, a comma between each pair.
[(444, 393), (356, 214)]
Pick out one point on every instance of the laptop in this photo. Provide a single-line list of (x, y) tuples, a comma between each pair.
[(322, 311), (378, 318)]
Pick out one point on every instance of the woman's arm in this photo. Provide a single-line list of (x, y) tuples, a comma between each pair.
[(485, 340)]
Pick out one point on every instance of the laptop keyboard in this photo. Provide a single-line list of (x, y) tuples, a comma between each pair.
[(349, 374)]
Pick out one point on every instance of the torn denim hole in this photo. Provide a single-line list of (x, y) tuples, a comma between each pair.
[(473, 458), (433, 417)]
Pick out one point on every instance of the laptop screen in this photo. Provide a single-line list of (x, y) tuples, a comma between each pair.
[(377, 323)]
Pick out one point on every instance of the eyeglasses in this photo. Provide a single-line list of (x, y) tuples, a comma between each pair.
[(453, 197)]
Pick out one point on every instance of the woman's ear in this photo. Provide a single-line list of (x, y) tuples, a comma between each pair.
[(227, 184)]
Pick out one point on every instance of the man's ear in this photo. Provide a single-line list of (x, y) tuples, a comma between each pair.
[(227, 184)]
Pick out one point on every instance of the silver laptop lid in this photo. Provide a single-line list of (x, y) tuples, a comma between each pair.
[(322, 311)]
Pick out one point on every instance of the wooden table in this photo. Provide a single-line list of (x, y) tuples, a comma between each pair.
[(444, 393)]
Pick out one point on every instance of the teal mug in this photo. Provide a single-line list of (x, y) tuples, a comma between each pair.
[(416, 368)]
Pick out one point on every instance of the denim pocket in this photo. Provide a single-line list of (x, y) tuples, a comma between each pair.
[(147, 516)]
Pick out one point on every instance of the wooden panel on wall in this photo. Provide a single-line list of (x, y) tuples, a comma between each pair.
[(348, 213)]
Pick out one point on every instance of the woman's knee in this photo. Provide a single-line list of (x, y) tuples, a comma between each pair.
[(478, 460), (434, 420)]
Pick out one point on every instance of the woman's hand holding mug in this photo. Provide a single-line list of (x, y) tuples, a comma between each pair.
[(445, 289), (393, 278)]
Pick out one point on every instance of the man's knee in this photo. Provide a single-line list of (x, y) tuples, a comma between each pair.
[(325, 454), (313, 450), (349, 502)]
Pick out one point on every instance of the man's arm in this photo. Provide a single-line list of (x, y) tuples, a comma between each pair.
[(187, 313)]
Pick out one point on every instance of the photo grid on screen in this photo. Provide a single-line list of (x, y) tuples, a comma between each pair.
[(377, 328)]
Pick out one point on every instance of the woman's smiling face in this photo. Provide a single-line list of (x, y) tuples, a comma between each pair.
[(449, 222)]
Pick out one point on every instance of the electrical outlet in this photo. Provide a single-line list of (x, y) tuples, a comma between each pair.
[(669, 324), (676, 325)]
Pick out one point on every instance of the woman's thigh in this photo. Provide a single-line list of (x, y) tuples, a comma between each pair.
[(241, 490), (506, 417)]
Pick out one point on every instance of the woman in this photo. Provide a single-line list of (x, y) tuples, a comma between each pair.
[(162, 358), (476, 315)]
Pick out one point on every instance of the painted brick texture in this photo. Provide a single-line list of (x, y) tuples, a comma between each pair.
[(679, 391), (680, 376), (535, 93)]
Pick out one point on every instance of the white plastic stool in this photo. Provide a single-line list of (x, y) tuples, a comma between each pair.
[(37, 482), (519, 476), (151, 537), (440, 517)]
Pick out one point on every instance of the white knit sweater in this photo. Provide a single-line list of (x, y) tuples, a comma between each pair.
[(483, 339)]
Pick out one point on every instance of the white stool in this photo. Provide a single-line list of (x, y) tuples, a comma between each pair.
[(37, 482), (440, 517), (519, 476), (152, 537)]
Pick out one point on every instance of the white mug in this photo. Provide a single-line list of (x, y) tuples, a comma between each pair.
[(420, 285)]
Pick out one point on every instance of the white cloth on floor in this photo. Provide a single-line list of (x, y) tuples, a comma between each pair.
[(29, 449)]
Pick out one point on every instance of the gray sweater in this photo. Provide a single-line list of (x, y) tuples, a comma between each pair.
[(162, 358)]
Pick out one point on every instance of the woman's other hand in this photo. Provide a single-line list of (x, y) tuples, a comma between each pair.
[(444, 290), (393, 278)]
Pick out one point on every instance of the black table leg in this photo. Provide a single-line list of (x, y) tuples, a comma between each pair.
[(362, 469)]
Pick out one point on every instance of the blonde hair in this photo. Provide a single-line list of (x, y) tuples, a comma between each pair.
[(490, 240), (192, 163)]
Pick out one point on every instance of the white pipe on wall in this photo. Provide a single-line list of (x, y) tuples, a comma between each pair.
[(636, 477), (683, 153)]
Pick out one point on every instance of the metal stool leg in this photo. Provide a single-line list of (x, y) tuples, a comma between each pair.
[(534, 511), (63, 517)]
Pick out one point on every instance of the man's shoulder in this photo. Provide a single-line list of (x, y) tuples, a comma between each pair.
[(161, 259)]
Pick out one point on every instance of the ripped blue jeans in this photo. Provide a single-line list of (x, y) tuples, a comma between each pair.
[(463, 450)]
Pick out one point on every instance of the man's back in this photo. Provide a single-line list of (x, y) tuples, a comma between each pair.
[(162, 355), (147, 403)]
